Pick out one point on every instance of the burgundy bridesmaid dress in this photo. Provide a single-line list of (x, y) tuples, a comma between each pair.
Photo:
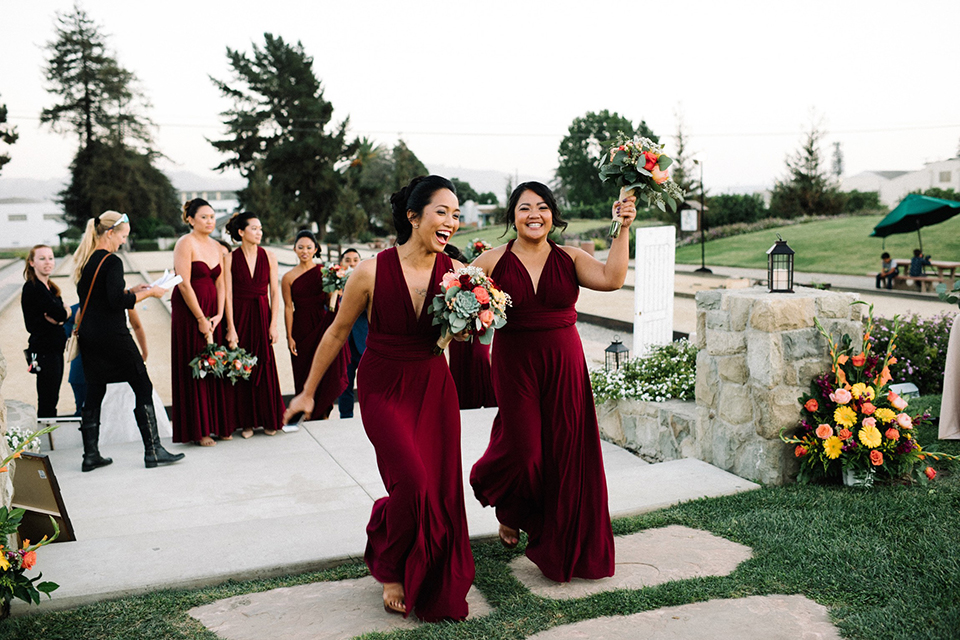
[(418, 534), (543, 469), (311, 318), (198, 404), (470, 368), (255, 402)]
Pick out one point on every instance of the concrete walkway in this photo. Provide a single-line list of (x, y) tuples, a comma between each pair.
[(304, 496)]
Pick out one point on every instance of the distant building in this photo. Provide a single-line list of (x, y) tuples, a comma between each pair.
[(892, 186), (478, 215), (25, 222), (224, 203)]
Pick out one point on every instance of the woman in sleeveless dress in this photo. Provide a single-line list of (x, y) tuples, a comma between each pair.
[(253, 306), (417, 541), (307, 316), (543, 470), (197, 307)]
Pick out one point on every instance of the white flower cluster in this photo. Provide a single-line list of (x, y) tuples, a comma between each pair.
[(669, 372), (16, 437)]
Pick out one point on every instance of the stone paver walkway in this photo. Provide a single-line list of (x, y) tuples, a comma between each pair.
[(645, 559), (318, 611), (757, 617)]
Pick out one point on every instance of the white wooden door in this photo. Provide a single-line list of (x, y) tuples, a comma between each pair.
[(653, 288)]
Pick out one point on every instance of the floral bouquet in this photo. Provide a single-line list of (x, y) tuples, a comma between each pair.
[(473, 250), (851, 424), (212, 360), (638, 166), (468, 301), (334, 280), (240, 363)]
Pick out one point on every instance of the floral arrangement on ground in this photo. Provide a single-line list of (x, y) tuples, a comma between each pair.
[(668, 372), (852, 425)]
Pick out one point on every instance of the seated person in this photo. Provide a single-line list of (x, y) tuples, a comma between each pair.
[(917, 263), (888, 271)]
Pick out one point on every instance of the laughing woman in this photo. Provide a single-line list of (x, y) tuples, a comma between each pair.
[(542, 469), (417, 542)]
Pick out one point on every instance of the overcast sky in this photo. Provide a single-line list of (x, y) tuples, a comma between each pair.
[(494, 85)]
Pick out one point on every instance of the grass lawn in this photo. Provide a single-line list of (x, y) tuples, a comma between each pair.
[(828, 246), (885, 561)]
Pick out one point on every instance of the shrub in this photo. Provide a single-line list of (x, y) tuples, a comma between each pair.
[(732, 208), (146, 245), (861, 201), (921, 349), (669, 372)]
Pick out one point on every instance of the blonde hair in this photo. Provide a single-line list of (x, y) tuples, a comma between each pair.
[(96, 227), (30, 275)]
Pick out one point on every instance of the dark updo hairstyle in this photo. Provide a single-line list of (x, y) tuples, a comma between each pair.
[(415, 197), (541, 190), (238, 222), (306, 233), (190, 208)]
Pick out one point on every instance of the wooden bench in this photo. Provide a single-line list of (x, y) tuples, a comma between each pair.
[(926, 283)]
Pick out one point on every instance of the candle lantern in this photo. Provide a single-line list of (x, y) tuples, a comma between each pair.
[(780, 267), (616, 355)]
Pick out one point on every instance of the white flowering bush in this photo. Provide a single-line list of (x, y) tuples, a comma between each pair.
[(668, 373), (16, 436)]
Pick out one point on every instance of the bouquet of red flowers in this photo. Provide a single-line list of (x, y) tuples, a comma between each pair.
[(334, 280), (473, 250), (223, 362), (468, 301), (239, 365)]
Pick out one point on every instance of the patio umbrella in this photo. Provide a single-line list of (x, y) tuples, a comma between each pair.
[(913, 212)]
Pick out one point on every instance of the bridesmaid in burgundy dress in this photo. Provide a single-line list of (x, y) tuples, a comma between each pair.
[(197, 308), (417, 541), (253, 304), (543, 469), (307, 316)]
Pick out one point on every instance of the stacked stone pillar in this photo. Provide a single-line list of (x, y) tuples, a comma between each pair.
[(6, 485), (758, 353)]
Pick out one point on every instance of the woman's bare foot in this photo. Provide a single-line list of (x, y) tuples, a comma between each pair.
[(227, 437), (206, 441), (393, 597), (270, 432), (246, 433), (509, 537)]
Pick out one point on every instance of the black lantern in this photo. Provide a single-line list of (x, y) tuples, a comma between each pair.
[(780, 267), (615, 355)]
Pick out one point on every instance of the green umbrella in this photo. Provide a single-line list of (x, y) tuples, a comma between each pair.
[(913, 212)]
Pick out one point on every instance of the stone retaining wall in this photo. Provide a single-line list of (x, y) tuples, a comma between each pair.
[(6, 483), (758, 353)]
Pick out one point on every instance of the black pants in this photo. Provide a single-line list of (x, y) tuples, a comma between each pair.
[(888, 278), (48, 383), (142, 389)]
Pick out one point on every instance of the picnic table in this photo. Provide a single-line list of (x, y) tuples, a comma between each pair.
[(946, 273)]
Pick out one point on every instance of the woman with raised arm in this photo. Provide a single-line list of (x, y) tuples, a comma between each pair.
[(543, 469), (108, 351), (253, 309), (307, 314), (417, 541), (197, 308), (44, 315)]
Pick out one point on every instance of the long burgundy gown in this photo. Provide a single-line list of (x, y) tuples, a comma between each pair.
[(311, 318), (198, 405), (418, 534), (255, 402), (470, 368), (543, 469)]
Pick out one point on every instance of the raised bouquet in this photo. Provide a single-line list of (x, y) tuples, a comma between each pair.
[(334, 279), (639, 167), (473, 250), (852, 425), (468, 301), (223, 362)]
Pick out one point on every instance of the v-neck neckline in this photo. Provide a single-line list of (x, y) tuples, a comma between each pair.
[(535, 287), (256, 258), (411, 307)]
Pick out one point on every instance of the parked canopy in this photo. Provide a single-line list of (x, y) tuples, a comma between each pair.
[(914, 212)]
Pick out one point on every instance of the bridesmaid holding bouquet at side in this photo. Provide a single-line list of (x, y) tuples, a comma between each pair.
[(307, 316), (543, 470), (417, 541), (252, 310), (197, 307)]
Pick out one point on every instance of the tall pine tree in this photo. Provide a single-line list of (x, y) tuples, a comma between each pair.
[(807, 189), (8, 135)]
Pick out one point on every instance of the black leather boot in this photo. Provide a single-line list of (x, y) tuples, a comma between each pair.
[(90, 433), (153, 452)]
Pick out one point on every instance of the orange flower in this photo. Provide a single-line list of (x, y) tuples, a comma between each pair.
[(842, 359), (651, 160), (876, 458), (845, 433), (2, 469), (867, 408), (811, 405), (884, 377), (29, 559), (824, 431), (931, 472), (858, 360), (800, 451), (841, 376), (892, 360), (660, 176), (892, 434)]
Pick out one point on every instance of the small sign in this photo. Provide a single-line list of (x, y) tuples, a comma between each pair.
[(688, 220)]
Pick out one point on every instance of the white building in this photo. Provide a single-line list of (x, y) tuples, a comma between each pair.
[(25, 222), (894, 185)]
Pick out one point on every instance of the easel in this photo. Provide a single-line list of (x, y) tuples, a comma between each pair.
[(35, 489)]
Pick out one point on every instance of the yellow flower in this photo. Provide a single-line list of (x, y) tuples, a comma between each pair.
[(884, 415), (832, 447), (870, 437), (4, 563), (869, 393), (845, 416), (858, 389)]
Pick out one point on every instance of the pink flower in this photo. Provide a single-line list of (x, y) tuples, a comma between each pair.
[(867, 408), (841, 396), (660, 176), (898, 403), (481, 294), (486, 317), (870, 422), (824, 431), (904, 421), (931, 472), (450, 280)]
